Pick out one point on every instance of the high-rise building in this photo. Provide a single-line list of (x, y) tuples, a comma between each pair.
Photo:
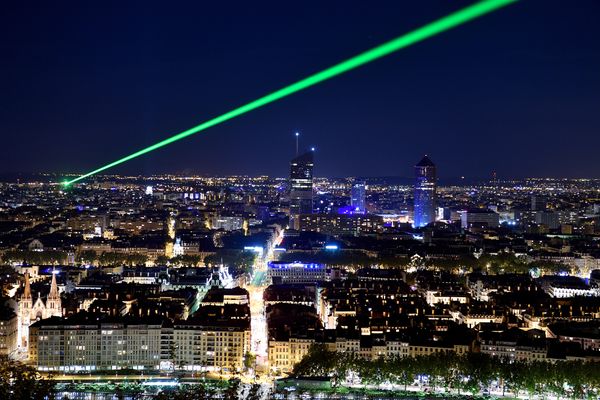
[(357, 197), (301, 185), (550, 219), (479, 218), (538, 203), (425, 192)]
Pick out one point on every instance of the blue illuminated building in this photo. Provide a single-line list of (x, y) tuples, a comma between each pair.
[(357, 197), (296, 272), (348, 210), (295, 264), (425, 193)]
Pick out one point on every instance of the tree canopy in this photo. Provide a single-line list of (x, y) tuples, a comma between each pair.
[(34, 257), (468, 373), (22, 382)]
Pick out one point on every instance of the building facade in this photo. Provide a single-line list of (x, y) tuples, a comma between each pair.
[(30, 311), (9, 332), (296, 272), (479, 218), (212, 344), (358, 197), (89, 343), (215, 338), (301, 185)]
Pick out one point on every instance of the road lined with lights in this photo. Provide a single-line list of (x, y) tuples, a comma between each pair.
[(258, 321)]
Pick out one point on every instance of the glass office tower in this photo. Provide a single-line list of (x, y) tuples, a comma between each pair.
[(425, 192)]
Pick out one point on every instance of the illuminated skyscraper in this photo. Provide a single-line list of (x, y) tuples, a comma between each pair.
[(301, 185), (357, 197), (425, 192)]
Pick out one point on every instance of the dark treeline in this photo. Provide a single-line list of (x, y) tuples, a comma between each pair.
[(22, 382), (470, 373), (35, 257), (504, 262)]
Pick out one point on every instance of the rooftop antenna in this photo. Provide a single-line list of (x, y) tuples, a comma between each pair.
[(297, 136)]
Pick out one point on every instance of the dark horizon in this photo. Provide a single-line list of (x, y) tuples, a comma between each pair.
[(516, 91)]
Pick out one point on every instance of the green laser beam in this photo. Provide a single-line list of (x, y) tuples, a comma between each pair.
[(433, 28)]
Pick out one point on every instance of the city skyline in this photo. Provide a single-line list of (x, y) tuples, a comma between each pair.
[(179, 279), (311, 200)]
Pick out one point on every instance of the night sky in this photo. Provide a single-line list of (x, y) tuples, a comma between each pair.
[(83, 83)]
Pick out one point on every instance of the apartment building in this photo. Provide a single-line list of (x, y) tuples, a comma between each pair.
[(215, 338), (9, 332), (92, 342)]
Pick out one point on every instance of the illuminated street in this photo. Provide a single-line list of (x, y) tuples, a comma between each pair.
[(256, 289)]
